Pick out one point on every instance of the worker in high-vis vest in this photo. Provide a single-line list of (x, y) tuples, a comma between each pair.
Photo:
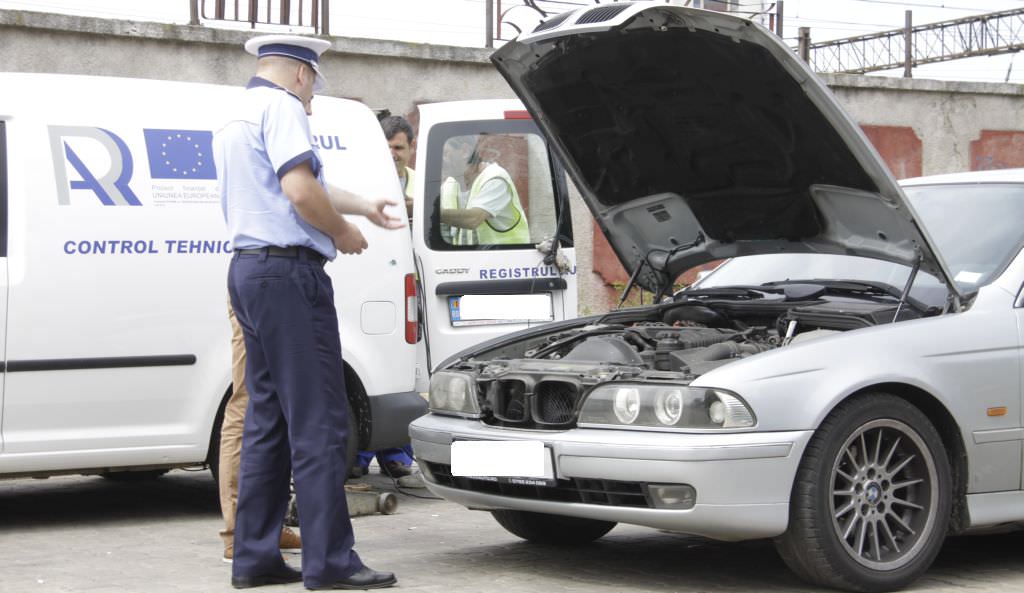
[(488, 213)]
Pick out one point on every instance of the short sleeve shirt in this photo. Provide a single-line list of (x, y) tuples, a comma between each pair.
[(495, 199), (268, 137)]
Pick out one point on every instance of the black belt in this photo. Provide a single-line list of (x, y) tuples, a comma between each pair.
[(291, 251)]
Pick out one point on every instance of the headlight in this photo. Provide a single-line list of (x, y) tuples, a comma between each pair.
[(453, 393), (663, 406)]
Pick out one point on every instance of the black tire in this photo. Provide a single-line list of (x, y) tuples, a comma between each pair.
[(213, 452), (871, 503), (552, 529)]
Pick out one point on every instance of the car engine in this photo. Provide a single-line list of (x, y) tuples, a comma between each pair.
[(538, 381)]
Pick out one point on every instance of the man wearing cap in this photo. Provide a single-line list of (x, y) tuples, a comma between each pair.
[(285, 222)]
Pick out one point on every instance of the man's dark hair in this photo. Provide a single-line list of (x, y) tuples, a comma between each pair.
[(394, 124)]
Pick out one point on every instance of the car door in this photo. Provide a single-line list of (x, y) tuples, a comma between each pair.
[(479, 282)]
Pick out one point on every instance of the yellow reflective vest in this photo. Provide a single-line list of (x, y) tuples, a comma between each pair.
[(485, 234)]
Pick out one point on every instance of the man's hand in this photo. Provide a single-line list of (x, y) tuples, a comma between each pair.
[(375, 213), (346, 202), (351, 240)]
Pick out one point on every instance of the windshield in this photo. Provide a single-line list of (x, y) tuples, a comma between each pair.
[(976, 228)]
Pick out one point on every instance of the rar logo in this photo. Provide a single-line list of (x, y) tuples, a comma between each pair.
[(99, 161)]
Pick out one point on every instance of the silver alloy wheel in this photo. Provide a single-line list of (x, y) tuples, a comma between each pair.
[(884, 494)]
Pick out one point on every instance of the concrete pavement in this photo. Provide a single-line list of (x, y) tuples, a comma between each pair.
[(88, 534)]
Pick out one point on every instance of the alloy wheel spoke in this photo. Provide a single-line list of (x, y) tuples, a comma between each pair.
[(875, 544), (906, 483), (853, 458), (846, 508), (890, 536), (878, 448), (902, 465), (861, 536), (846, 476), (851, 526), (901, 523), (906, 503), (844, 492), (892, 451)]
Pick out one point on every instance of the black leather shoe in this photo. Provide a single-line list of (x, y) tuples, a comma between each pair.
[(395, 469), (285, 575), (364, 578)]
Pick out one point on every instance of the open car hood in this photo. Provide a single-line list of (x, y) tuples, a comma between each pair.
[(694, 135)]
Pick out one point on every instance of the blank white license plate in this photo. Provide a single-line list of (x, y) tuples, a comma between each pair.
[(502, 459)]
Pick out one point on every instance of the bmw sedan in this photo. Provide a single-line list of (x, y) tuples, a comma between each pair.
[(847, 383)]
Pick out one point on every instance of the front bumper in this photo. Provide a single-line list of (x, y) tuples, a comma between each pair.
[(742, 480)]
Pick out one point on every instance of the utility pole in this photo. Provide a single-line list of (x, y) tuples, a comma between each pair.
[(908, 44), (489, 27), (804, 47), (778, 17)]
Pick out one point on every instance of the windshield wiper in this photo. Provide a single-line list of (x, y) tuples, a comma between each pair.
[(732, 291), (866, 288)]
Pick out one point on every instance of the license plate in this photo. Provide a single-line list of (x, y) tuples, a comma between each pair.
[(514, 462), (493, 309)]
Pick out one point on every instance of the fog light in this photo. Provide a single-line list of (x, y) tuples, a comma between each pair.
[(672, 496)]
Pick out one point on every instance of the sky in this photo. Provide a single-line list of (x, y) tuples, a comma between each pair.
[(462, 22)]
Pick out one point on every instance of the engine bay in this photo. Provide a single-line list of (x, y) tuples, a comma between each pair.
[(537, 380)]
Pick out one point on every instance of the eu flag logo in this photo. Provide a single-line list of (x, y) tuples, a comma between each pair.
[(180, 154)]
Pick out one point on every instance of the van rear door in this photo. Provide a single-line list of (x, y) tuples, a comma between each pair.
[(3, 265), (479, 281)]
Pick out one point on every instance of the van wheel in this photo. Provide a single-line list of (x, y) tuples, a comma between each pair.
[(213, 452), (871, 502), (552, 529)]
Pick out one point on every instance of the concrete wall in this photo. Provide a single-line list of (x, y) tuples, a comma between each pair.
[(918, 126)]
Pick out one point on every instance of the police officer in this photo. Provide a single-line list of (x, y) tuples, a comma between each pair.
[(285, 222)]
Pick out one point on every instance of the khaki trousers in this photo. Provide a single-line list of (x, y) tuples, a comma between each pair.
[(231, 432)]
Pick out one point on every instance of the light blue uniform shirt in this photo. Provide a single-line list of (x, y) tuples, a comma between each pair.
[(267, 138)]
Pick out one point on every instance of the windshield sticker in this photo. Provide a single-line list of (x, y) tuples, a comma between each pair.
[(968, 277)]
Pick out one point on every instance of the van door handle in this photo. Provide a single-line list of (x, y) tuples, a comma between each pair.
[(517, 286)]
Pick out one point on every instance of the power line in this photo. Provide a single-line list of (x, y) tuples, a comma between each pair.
[(915, 5)]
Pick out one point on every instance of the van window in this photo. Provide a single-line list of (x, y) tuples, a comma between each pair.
[(491, 185)]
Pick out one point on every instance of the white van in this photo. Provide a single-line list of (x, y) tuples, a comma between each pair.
[(114, 338)]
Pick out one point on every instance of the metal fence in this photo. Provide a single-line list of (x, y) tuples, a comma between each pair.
[(301, 13)]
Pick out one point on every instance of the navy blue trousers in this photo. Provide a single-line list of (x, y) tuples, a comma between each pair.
[(297, 418)]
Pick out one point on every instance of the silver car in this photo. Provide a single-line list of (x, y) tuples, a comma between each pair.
[(848, 383)]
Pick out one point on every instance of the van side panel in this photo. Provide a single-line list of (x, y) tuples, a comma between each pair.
[(118, 348), (369, 287), (118, 342)]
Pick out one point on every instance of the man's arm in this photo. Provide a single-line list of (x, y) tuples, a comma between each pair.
[(470, 218), (312, 203), (346, 202)]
